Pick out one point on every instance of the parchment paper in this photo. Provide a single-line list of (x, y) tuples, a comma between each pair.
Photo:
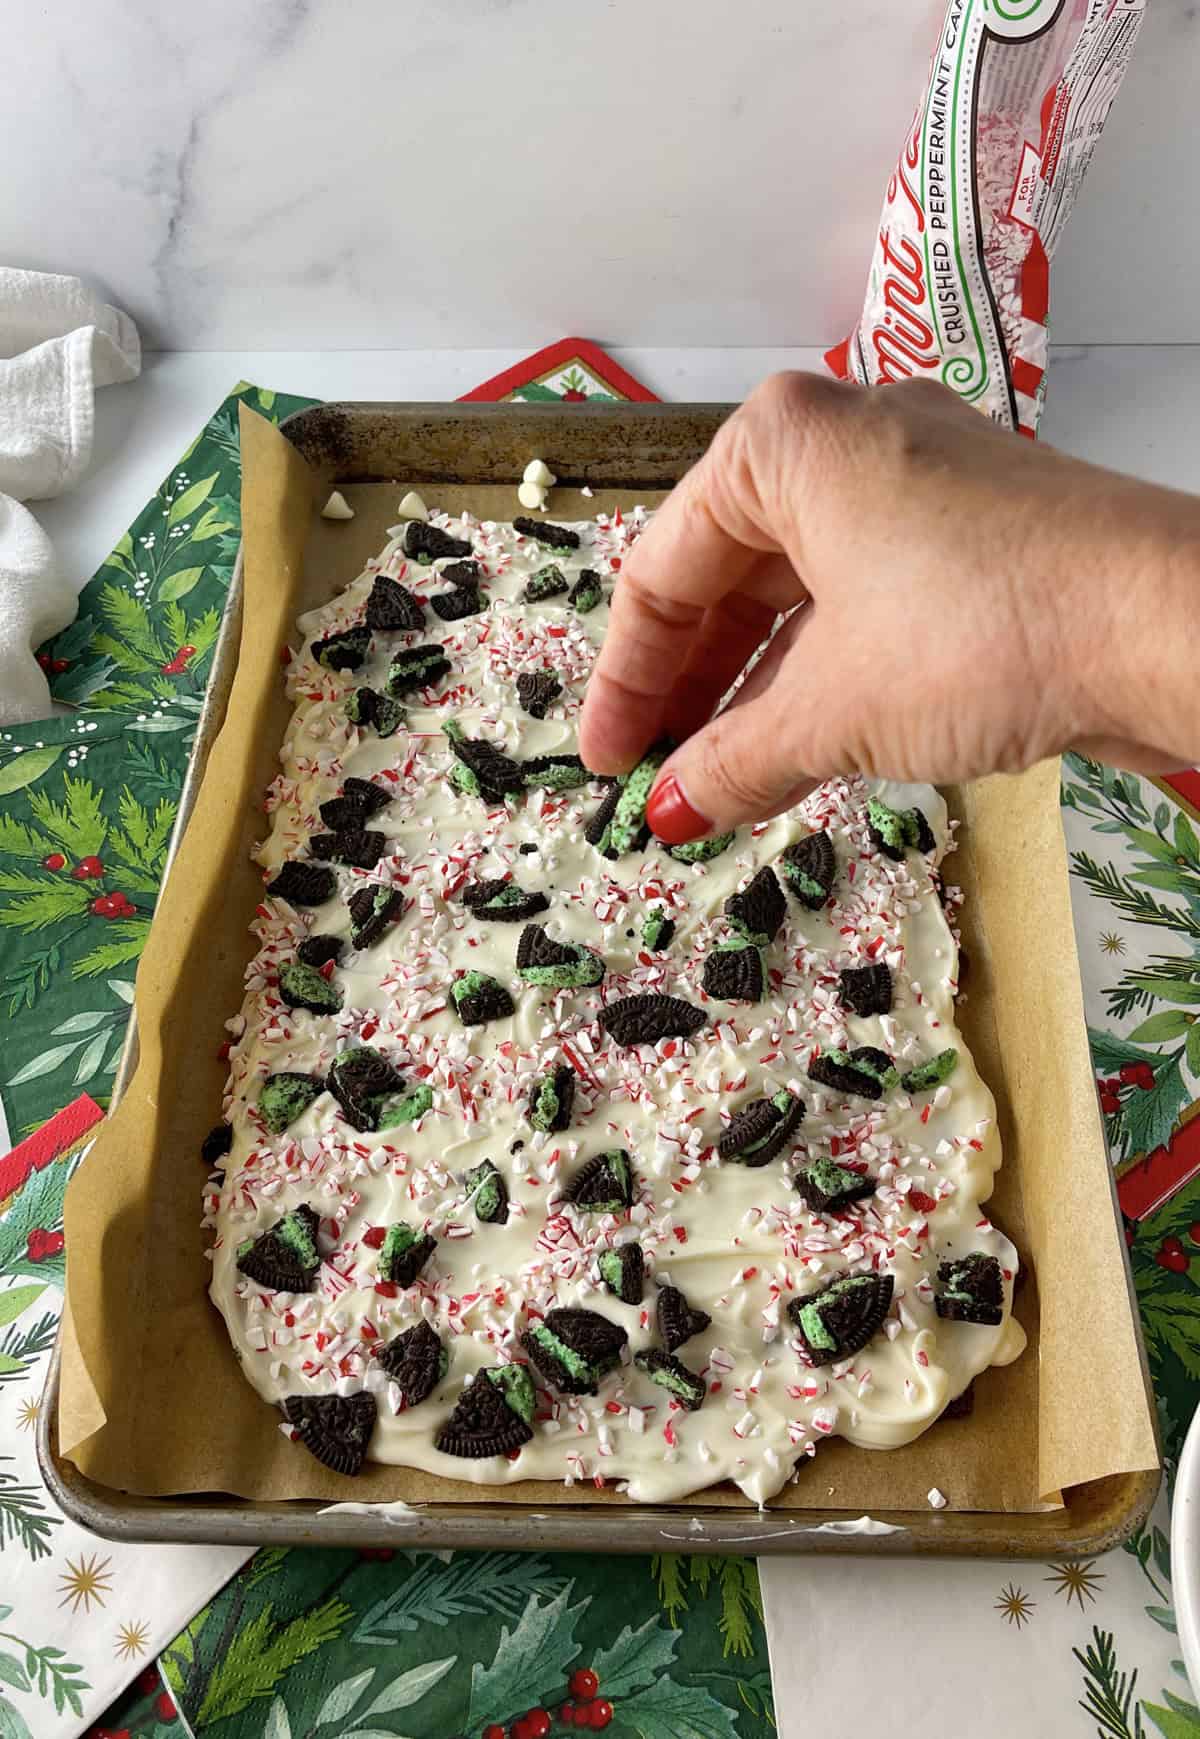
[(152, 1400)]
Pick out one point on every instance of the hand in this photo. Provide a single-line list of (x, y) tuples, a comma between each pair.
[(955, 601)]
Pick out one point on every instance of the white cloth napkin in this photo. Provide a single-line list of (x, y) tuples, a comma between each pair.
[(58, 342)]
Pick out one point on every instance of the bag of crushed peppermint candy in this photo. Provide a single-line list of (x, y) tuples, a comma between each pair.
[(1018, 94)]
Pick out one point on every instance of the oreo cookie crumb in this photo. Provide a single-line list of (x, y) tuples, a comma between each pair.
[(416, 1362), (838, 1320), (482, 1423), (597, 830), (668, 1373), (216, 1144), (286, 1096), (335, 1428), (404, 1253), (762, 1129), (866, 990), (478, 998), (320, 950), (895, 831), (931, 1073), (528, 848), (555, 536), (422, 539), (643, 1020), (303, 884), (701, 850), (459, 603), (972, 1290), (809, 868), (826, 1187), (516, 1385), (397, 1110), (369, 709), (605, 1185), (587, 591), (867, 1072), (536, 691), (548, 582), (556, 773), (467, 574), (359, 800), (361, 1080), (344, 651), (502, 901), (493, 774), (678, 1320), (285, 1257), (658, 931), (415, 668), (371, 911), (759, 909), (623, 1272), (733, 972), (962, 1406), (489, 1194), (575, 1348), (392, 609), (552, 1100), (556, 965), (303, 986), (359, 847)]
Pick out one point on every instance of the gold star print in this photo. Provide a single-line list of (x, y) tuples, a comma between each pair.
[(131, 1640), (27, 1414), (1077, 1581), (84, 1582), (1111, 943), (1015, 1605)]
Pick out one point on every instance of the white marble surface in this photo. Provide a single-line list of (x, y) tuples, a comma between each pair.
[(392, 173), (1132, 407)]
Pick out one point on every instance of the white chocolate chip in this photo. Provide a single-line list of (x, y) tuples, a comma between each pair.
[(337, 507), (936, 1499), (412, 507), (532, 495), (538, 472)]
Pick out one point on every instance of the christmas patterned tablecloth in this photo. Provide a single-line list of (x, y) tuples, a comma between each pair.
[(391, 1642)]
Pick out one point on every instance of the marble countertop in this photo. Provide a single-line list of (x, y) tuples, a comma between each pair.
[(1129, 406)]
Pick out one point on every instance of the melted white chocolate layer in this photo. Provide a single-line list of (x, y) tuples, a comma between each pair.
[(736, 1239)]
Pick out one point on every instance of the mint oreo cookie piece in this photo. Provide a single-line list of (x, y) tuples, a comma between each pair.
[(556, 965), (392, 609), (359, 847), (216, 1144), (423, 541), (587, 591), (320, 950), (552, 1100), (930, 1074), (344, 651), (628, 823), (701, 850), (493, 775), (866, 990), (359, 800), (503, 902), (398, 1109), (678, 1320), (370, 710), (416, 1362), (758, 911), (623, 1271), (416, 667), (361, 1079), (404, 1253), (575, 1348), (895, 831), (459, 603), (285, 1257), (733, 972), (489, 1194), (839, 1319), (596, 831), (643, 1020), (307, 987), (548, 582), (555, 773), (809, 868), (335, 1428), (371, 911), (303, 884), (555, 536), (972, 1290), (867, 1072), (605, 1185), (483, 1422), (286, 1096), (762, 1129), (466, 574), (537, 690), (658, 931), (668, 1373), (827, 1187), (478, 998)]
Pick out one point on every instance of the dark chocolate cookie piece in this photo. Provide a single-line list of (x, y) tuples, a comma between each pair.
[(587, 592), (483, 1423), (827, 1187), (404, 1253), (488, 1193), (359, 847), (866, 990), (392, 609), (285, 1096), (643, 1020), (307, 987), (548, 582), (429, 541), (972, 1290), (554, 536), (762, 1129), (320, 950), (370, 710), (361, 1079), (733, 972), (555, 773), (303, 884), (492, 774), (574, 1348), (552, 1100), (344, 651), (416, 1362), (860, 1071), (556, 965), (285, 1257), (459, 603), (479, 998), (503, 902), (623, 1271), (809, 869), (759, 909), (678, 1320), (464, 574), (216, 1144), (358, 801), (416, 667), (335, 1428), (605, 1185), (668, 1373), (537, 690), (839, 1319), (372, 910)]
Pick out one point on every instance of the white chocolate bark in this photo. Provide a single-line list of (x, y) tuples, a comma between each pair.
[(735, 1239)]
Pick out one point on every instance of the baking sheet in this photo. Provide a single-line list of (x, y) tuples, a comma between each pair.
[(151, 1401)]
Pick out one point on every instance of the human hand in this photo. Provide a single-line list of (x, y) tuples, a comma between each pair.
[(958, 601)]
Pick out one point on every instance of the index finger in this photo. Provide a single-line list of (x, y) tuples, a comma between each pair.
[(686, 561)]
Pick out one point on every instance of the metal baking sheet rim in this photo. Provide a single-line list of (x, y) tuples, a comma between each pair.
[(1094, 1518)]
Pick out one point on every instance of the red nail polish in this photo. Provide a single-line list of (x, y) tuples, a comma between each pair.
[(671, 817)]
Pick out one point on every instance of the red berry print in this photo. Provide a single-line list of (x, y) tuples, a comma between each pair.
[(40, 1245), (58, 665), (573, 396), (148, 1681), (54, 861), (164, 1708), (567, 1714), (1172, 1255), (495, 1731), (114, 905), (87, 869), (175, 666), (583, 1684), (600, 1713), (1109, 1103), (43, 659), (1194, 1232), (537, 1724)]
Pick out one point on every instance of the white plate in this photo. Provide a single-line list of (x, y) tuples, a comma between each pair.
[(1185, 1552)]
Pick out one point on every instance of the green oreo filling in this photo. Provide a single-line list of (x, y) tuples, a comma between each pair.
[(629, 817), (400, 1108), (516, 1385), (293, 1231), (782, 1102), (701, 850), (930, 1074), (572, 1362), (304, 987), (286, 1096), (488, 1193), (889, 824), (587, 968)]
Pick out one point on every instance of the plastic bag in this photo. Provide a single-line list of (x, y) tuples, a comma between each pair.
[(959, 289)]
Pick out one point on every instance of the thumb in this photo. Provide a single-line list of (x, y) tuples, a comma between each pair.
[(740, 767)]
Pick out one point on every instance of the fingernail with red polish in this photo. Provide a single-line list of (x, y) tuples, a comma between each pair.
[(671, 817)]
